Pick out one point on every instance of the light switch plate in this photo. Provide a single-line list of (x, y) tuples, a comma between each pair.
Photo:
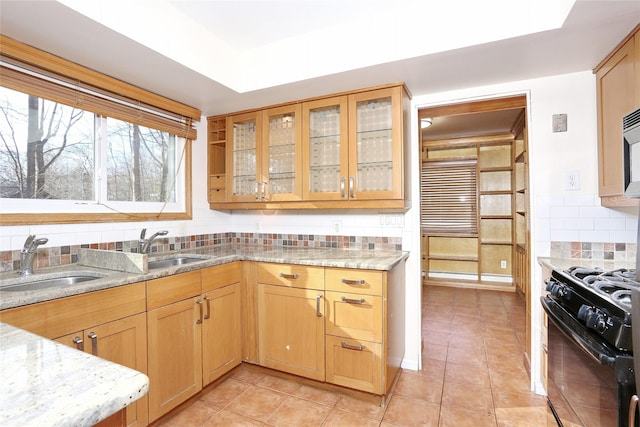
[(559, 122)]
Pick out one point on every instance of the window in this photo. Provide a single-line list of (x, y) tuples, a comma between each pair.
[(448, 201), (76, 145)]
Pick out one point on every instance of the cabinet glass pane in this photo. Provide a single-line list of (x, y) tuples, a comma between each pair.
[(374, 145), (324, 149), (282, 153), (244, 158)]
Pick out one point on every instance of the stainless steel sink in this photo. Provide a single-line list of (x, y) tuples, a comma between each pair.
[(48, 283), (172, 262)]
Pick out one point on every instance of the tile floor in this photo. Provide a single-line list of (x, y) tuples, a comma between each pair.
[(472, 375)]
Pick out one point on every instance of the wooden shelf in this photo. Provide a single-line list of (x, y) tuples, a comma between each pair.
[(453, 258), (497, 169)]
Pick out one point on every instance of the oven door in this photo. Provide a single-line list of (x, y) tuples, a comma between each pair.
[(583, 384)]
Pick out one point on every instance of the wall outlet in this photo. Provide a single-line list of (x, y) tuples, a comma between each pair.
[(503, 264), (336, 226), (256, 227), (572, 180)]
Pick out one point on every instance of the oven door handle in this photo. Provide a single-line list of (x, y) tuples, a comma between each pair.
[(598, 350)]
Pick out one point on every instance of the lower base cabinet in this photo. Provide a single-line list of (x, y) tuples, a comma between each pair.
[(193, 331), (123, 342), (291, 330), (175, 355), (337, 325), (355, 364)]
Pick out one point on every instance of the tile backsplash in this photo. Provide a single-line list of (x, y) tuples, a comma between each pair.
[(594, 251), (63, 255)]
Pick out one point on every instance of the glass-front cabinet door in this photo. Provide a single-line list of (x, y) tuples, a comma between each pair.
[(243, 174), (325, 149), (375, 145), (281, 154)]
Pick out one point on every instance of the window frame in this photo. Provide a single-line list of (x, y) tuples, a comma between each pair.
[(111, 94)]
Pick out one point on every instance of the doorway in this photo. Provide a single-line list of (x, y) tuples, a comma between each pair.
[(474, 214)]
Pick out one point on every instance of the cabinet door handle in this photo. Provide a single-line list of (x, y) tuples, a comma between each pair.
[(632, 410), (79, 342), (318, 312), (94, 342), (342, 189), (353, 282), (264, 190), (353, 301), (352, 185), (257, 187), (352, 347), (290, 276), (208, 300), (199, 321)]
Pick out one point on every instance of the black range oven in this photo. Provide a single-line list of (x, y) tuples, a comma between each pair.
[(589, 350)]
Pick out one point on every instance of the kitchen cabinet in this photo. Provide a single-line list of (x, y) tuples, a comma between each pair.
[(618, 93), (110, 324), (264, 155), (354, 327), (341, 326), (340, 151), (244, 179), (291, 307), (325, 148), (194, 334), (174, 339), (122, 341), (222, 321)]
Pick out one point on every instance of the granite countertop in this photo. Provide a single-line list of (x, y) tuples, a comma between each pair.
[(47, 383), (119, 268), (565, 263)]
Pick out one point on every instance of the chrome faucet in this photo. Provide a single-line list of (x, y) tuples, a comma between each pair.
[(28, 253), (145, 244)]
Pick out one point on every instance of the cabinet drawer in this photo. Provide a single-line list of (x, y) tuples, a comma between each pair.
[(53, 319), (354, 316), (172, 289), (355, 364), (217, 195), (217, 181), (353, 280), (295, 276), (220, 275)]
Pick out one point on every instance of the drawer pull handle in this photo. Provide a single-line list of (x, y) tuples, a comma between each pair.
[(208, 300), (199, 321), (318, 312), (94, 342), (290, 276), (353, 282), (353, 301), (79, 342), (352, 347)]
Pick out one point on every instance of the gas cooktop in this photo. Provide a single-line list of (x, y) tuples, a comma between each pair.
[(600, 299)]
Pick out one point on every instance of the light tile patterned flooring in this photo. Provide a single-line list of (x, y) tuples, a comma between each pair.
[(472, 375)]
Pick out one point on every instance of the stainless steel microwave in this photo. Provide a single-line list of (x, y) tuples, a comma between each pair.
[(631, 143)]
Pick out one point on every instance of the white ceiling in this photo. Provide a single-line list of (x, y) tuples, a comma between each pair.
[(223, 56)]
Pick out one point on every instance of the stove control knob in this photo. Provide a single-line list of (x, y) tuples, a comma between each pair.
[(556, 289), (593, 318)]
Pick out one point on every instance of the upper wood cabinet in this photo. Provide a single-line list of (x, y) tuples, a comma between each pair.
[(342, 151), (618, 93)]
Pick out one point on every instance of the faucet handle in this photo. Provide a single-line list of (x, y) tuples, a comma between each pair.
[(28, 242), (143, 233)]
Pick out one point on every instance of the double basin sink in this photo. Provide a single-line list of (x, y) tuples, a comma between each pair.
[(54, 280)]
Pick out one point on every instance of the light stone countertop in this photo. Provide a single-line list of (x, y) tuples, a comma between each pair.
[(45, 383), (211, 256), (565, 263)]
